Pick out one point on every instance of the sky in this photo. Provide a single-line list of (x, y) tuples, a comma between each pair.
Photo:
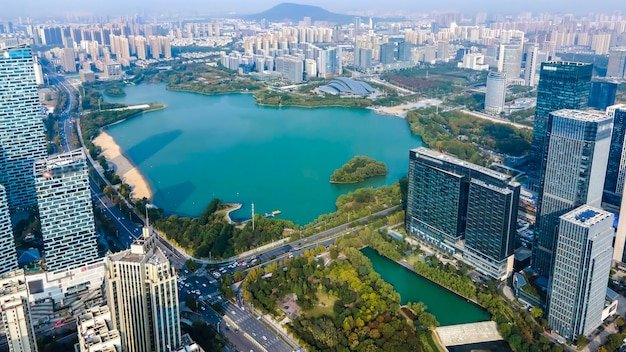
[(35, 8)]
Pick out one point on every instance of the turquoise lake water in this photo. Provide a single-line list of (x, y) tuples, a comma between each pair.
[(225, 146), (446, 306)]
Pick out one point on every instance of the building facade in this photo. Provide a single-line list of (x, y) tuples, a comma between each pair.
[(616, 167), (581, 270), (602, 94), (450, 200), (617, 63), (562, 85), (65, 211), (15, 311), (143, 296), (22, 138), (576, 155), (496, 92), (8, 256)]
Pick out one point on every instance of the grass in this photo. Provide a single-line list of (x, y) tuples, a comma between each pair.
[(435, 346), (324, 307)]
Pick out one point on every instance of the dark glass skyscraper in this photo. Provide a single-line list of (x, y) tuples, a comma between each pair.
[(616, 168), (450, 200), (562, 85), (576, 154)]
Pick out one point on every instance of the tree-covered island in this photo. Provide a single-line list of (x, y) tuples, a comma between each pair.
[(358, 169)]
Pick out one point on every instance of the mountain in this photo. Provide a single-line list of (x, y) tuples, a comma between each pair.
[(286, 11)]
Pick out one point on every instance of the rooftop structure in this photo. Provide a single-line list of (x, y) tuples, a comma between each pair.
[(95, 333), (342, 85)]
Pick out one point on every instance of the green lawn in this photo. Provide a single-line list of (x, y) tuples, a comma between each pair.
[(324, 307)]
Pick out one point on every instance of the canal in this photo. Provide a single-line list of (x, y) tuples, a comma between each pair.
[(446, 306)]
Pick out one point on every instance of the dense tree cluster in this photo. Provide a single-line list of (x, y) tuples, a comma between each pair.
[(211, 233), (365, 313), (354, 205), (272, 98), (462, 134), (358, 169), (446, 275)]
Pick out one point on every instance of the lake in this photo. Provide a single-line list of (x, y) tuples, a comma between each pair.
[(448, 307), (280, 158)]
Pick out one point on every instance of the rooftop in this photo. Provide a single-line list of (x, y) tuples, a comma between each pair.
[(342, 85), (429, 153), (580, 115), (587, 215)]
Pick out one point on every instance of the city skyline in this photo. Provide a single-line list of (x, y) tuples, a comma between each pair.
[(362, 8)]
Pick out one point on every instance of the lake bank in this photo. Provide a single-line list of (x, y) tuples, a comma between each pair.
[(225, 146), (124, 168)]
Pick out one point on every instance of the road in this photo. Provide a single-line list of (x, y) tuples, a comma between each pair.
[(496, 119)]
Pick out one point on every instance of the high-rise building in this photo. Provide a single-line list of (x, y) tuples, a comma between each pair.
[(143, 296), (65, 211), (450, 200), (530, 72), (22, 138), (68, 60), (602, 94), (576, 154), (496, 92), (387, 53), (8, 256), (15, 311), (616, 167), (510, 61), (581, 270), (617, 63), (562, 85), (405, 51)]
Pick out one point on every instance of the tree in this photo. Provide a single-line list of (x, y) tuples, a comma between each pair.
[(191, 265), (334, 252), (536, 312), (613, 342), (191, 303), (582, 341)]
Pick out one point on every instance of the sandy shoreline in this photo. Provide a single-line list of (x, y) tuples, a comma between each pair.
[(123, 167)]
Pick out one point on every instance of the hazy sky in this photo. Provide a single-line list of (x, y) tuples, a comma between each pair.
[(219, 7)]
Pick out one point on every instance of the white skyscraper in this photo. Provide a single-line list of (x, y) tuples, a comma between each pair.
[(581, 269), (15, 311), (496, 92), (22, 138), (530, 72), (143, 296), (65, 211), (8, 257)]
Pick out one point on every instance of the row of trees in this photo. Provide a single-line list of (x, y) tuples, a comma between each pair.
[(271, 98), (212, 234), (358, 169), (365, 313)]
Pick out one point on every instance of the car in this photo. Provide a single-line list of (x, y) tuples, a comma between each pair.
[(264, 338), (203, 284)]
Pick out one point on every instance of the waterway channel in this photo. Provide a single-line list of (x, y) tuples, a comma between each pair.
[(446, 306), (226, 146)]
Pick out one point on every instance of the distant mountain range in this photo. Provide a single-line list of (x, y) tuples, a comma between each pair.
[(290, 12)]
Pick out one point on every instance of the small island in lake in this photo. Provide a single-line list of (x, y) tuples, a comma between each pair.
[(358, 169)]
